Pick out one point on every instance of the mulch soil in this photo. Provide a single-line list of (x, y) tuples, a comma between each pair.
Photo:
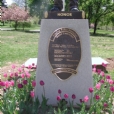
[(110, 66)]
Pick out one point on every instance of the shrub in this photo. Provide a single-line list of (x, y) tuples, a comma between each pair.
[(22, 24)]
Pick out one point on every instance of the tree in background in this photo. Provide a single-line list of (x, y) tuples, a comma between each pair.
[(6, 14), (22, 3), (3, 3), (108, 20), (16, 14), (38, 7), (96, 9), (66, 5), (3, 6), (104, 21), (111, 17)]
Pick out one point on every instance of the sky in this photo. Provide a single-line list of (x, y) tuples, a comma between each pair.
[(19, 2), (9, 2)]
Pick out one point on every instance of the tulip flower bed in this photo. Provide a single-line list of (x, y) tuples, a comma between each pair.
[(18, 95)]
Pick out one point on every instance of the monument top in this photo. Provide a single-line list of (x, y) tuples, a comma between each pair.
[(64, 15)]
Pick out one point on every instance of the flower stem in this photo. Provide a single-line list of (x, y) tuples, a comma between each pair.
[(44, 91)]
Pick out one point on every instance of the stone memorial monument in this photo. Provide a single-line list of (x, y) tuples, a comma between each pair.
[(64, 58)]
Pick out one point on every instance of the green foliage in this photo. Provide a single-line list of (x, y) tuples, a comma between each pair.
[(67, 5), (22, 24), (112, 18), (38, 7), (44, 107), (96, 9), (34, 20), (59, 111)]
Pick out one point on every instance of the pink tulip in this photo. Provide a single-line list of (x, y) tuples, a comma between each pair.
[(59, 91), (23, 66), (42, 83), (112, 89), (103, 64), (29, 67), (2, 83), (66, 96), (94, 69), (16, 74), (102, 74), (86, 98), (97, 97), (102, 81), (11, 74), (32, 94), (25, 82), (110, 81), (81, 101), (58, 98), (5, 75), (33, 83), (107, 77), (13, 66), (98, 86), (20, 86), (90, 90), (28, 75), (12, 83), (7, 84), (98, 71), (22, 75), (94, 65), (73, 96), (33, 64), (105, 105), (20, 70)]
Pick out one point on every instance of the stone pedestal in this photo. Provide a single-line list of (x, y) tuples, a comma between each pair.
[(78, 83)]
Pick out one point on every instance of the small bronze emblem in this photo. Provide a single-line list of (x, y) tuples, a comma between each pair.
[(64, 52)]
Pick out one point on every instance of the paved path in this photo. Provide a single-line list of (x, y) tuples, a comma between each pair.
[(7, 29), (10, 29)]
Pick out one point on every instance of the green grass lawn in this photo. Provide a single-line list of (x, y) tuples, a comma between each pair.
[(102, 46), (18, 46), (103, 32)]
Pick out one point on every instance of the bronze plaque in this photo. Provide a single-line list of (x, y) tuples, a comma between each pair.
[(64, 15), (64, 52)]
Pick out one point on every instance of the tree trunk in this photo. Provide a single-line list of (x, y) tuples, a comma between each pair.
[(16, 24), (106, 27), (3, 23), (112, 27), (95, 26), (23, 27)]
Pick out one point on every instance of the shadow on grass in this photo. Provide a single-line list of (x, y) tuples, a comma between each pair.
[(20, 30), (102, 35)]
